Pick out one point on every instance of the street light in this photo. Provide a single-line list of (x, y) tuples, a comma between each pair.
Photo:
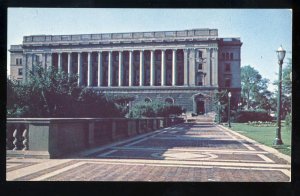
[(280, 55), (219, 110), (229, 95)]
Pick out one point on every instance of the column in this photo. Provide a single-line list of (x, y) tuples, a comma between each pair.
[(59, 62), (208, 63), (49, 60), (69, 63), (45, 60), (192, 66), (215, 67), (141, 68), (25, 68), (90, 71), (174, 68), (130, 68), (152, 68), (121, 68), (110, 69), (79, 69), (100, 69), (163, 68), (186, 66)]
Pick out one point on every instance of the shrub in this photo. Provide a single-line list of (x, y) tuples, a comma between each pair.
[(242, 116), (49, 93), (154, 109)]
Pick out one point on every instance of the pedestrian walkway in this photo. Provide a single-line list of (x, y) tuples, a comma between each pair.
[(186, 152)]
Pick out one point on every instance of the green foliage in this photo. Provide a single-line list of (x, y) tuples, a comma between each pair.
[(49, 93), (262, 124), (154, 109), (251, 115), (264, 135), (254, 88), (222, 109)]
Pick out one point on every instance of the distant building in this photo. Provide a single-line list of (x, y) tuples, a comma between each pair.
[(181, 67)]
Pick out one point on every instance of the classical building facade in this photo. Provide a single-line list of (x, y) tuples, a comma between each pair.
[(182, 67)]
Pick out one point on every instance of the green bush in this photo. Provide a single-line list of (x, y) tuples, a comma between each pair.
[(243, 116), (154, 109), (49, 93)]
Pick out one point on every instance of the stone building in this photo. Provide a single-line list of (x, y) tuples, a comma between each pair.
[(182, 67)]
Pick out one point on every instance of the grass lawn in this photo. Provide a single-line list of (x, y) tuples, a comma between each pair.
[(265, 135)]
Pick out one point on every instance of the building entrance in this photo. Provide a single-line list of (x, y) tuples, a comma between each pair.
[(200, 107)]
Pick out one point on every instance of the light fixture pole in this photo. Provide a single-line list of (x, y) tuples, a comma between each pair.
[(229, 96), (219, 110), (280, 55)]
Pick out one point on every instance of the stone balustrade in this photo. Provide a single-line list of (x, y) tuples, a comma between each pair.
[(55, 137), (122, 36)]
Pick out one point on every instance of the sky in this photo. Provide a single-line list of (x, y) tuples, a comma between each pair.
[(262, 31)]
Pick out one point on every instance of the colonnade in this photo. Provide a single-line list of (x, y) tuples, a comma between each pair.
[(115, 70)]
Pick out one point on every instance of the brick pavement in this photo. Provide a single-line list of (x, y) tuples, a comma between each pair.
[(188, 152)]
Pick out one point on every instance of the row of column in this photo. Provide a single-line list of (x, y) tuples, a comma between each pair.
[(121, 68), (188, 61)]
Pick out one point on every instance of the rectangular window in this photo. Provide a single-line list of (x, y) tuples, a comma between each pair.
[(200, 54), (17, 61), (169, 56), (231, 56), (227, 82), (20, 61), (200, 67), (227, 67), (20, 71)]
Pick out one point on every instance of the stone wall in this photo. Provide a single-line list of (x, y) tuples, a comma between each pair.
[(56, 137)]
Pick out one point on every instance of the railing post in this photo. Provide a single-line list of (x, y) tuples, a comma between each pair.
[(25, 141)]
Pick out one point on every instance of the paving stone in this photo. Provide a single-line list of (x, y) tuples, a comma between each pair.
[(188, 152)]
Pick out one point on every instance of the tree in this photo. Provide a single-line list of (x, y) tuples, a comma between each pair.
[(51, 93), (254, 87)]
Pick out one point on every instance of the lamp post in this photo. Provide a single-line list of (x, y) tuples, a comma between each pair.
[(229, 96), (219, 110), (280, 54)]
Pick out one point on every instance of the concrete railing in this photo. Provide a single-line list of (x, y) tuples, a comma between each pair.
[(119, 36), (54, 137)]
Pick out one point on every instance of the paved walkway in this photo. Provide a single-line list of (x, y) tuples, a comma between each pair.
[(186, 152)]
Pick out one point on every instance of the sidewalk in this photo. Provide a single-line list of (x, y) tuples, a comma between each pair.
[(187, 152)]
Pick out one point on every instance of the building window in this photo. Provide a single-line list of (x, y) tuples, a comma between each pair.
[(200, 67), (169, 100), (169, 56), (227, 82), (223, 55), (17, 61), (200, 54), (227, 67), (227, 55), (231, 56), (20, 71)]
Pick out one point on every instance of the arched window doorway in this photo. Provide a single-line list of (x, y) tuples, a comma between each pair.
[(169, 100), (147, 100)]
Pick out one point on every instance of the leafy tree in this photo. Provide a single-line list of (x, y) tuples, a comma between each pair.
[(254, 87), (49, 93)]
